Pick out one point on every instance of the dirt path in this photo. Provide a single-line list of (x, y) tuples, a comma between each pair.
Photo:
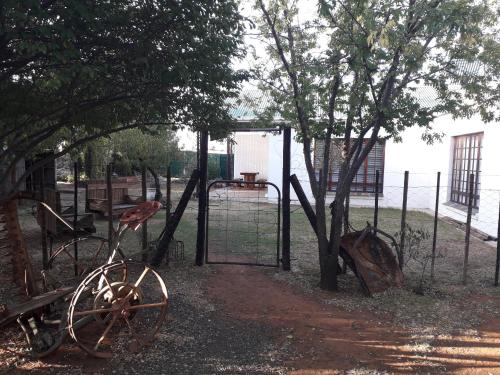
[(328, 340)]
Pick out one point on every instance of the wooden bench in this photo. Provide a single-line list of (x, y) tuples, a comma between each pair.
[(97, 197)]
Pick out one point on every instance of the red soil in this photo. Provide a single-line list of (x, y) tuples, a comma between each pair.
[(329, 340)]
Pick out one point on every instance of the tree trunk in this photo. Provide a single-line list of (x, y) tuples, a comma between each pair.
[(327, 261), (337, 212), (158, 194), (89, 173)]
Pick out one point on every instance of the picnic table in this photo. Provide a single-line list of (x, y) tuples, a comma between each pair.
[(249, 179)]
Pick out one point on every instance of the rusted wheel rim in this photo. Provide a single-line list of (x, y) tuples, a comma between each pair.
[(125, 314)]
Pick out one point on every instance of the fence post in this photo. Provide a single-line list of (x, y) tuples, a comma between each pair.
[(109, 201), (403, 222), (434, 235), (43, 221), (228, 161), (202, 199), (144, 187), (467, 228), (75, 216), (497, 265), (169, 193), (287, 136), (375, 214)]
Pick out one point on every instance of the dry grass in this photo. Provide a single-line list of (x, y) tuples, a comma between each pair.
[(446, 309)]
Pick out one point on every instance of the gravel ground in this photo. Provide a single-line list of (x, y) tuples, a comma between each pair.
[(197, 338)]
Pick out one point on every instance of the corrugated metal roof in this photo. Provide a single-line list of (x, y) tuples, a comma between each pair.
[(252, 102)]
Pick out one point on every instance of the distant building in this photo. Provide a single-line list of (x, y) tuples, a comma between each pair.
[(468, 146)]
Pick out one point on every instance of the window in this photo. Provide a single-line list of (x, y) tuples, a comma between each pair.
[(466, 161), (364, 181)]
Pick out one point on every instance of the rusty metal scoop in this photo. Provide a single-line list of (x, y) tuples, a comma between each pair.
[(372, 260), (134, 217)]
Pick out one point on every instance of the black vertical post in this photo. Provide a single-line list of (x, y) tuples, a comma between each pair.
[(75, 216), (87, 209), (169, 194), (43, 223), (375, 214), (497, 265), (228, 161), (198, 166), (403, 222), (168, 205), (467, 228), (109, 201), (144, 186), (287, 139), (434, 235), (202, 198)]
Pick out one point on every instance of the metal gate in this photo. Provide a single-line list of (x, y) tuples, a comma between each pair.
[(243, 225)]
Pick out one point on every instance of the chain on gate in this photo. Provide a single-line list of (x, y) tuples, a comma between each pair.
[(243, 223)]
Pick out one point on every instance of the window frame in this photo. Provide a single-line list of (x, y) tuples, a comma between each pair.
[(466, 160), (357, 187)]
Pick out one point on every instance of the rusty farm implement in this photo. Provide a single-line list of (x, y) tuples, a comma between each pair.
[(105, 304)]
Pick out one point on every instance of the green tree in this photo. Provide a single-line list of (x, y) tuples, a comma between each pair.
[(130, 150), (351, 72), (75, 70), (134, 148)]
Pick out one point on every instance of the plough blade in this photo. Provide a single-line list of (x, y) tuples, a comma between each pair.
[(372, 260)]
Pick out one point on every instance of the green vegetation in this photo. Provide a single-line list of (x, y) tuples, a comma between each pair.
[(131, 149), (75, 71), (352, 69)]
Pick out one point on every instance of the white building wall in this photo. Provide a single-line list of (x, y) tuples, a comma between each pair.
[(297, 165), (423, 161), (251, 152)]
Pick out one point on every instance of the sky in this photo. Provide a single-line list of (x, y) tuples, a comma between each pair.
[(187, 139)]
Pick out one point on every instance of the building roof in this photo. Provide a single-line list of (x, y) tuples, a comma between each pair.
[(252, 102)]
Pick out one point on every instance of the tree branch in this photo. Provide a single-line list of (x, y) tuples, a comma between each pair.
[(74, 145)]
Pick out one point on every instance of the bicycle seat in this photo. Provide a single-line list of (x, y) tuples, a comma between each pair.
[(134, 217)]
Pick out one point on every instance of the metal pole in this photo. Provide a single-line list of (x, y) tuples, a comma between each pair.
[(109, 201), (198, 166), (434, 236), (43, 223), (228, 161), (287, 138), (467, 228), (144, 243), (403, 222), (375, 214), (169, 193), (202, 199), (497, 265), (75, 216)]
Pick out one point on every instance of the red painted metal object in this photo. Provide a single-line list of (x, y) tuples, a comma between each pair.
[(134, 217)]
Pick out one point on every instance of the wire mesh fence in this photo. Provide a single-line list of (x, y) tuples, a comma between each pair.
[(243, 221), (242, 226), (446, 235)]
